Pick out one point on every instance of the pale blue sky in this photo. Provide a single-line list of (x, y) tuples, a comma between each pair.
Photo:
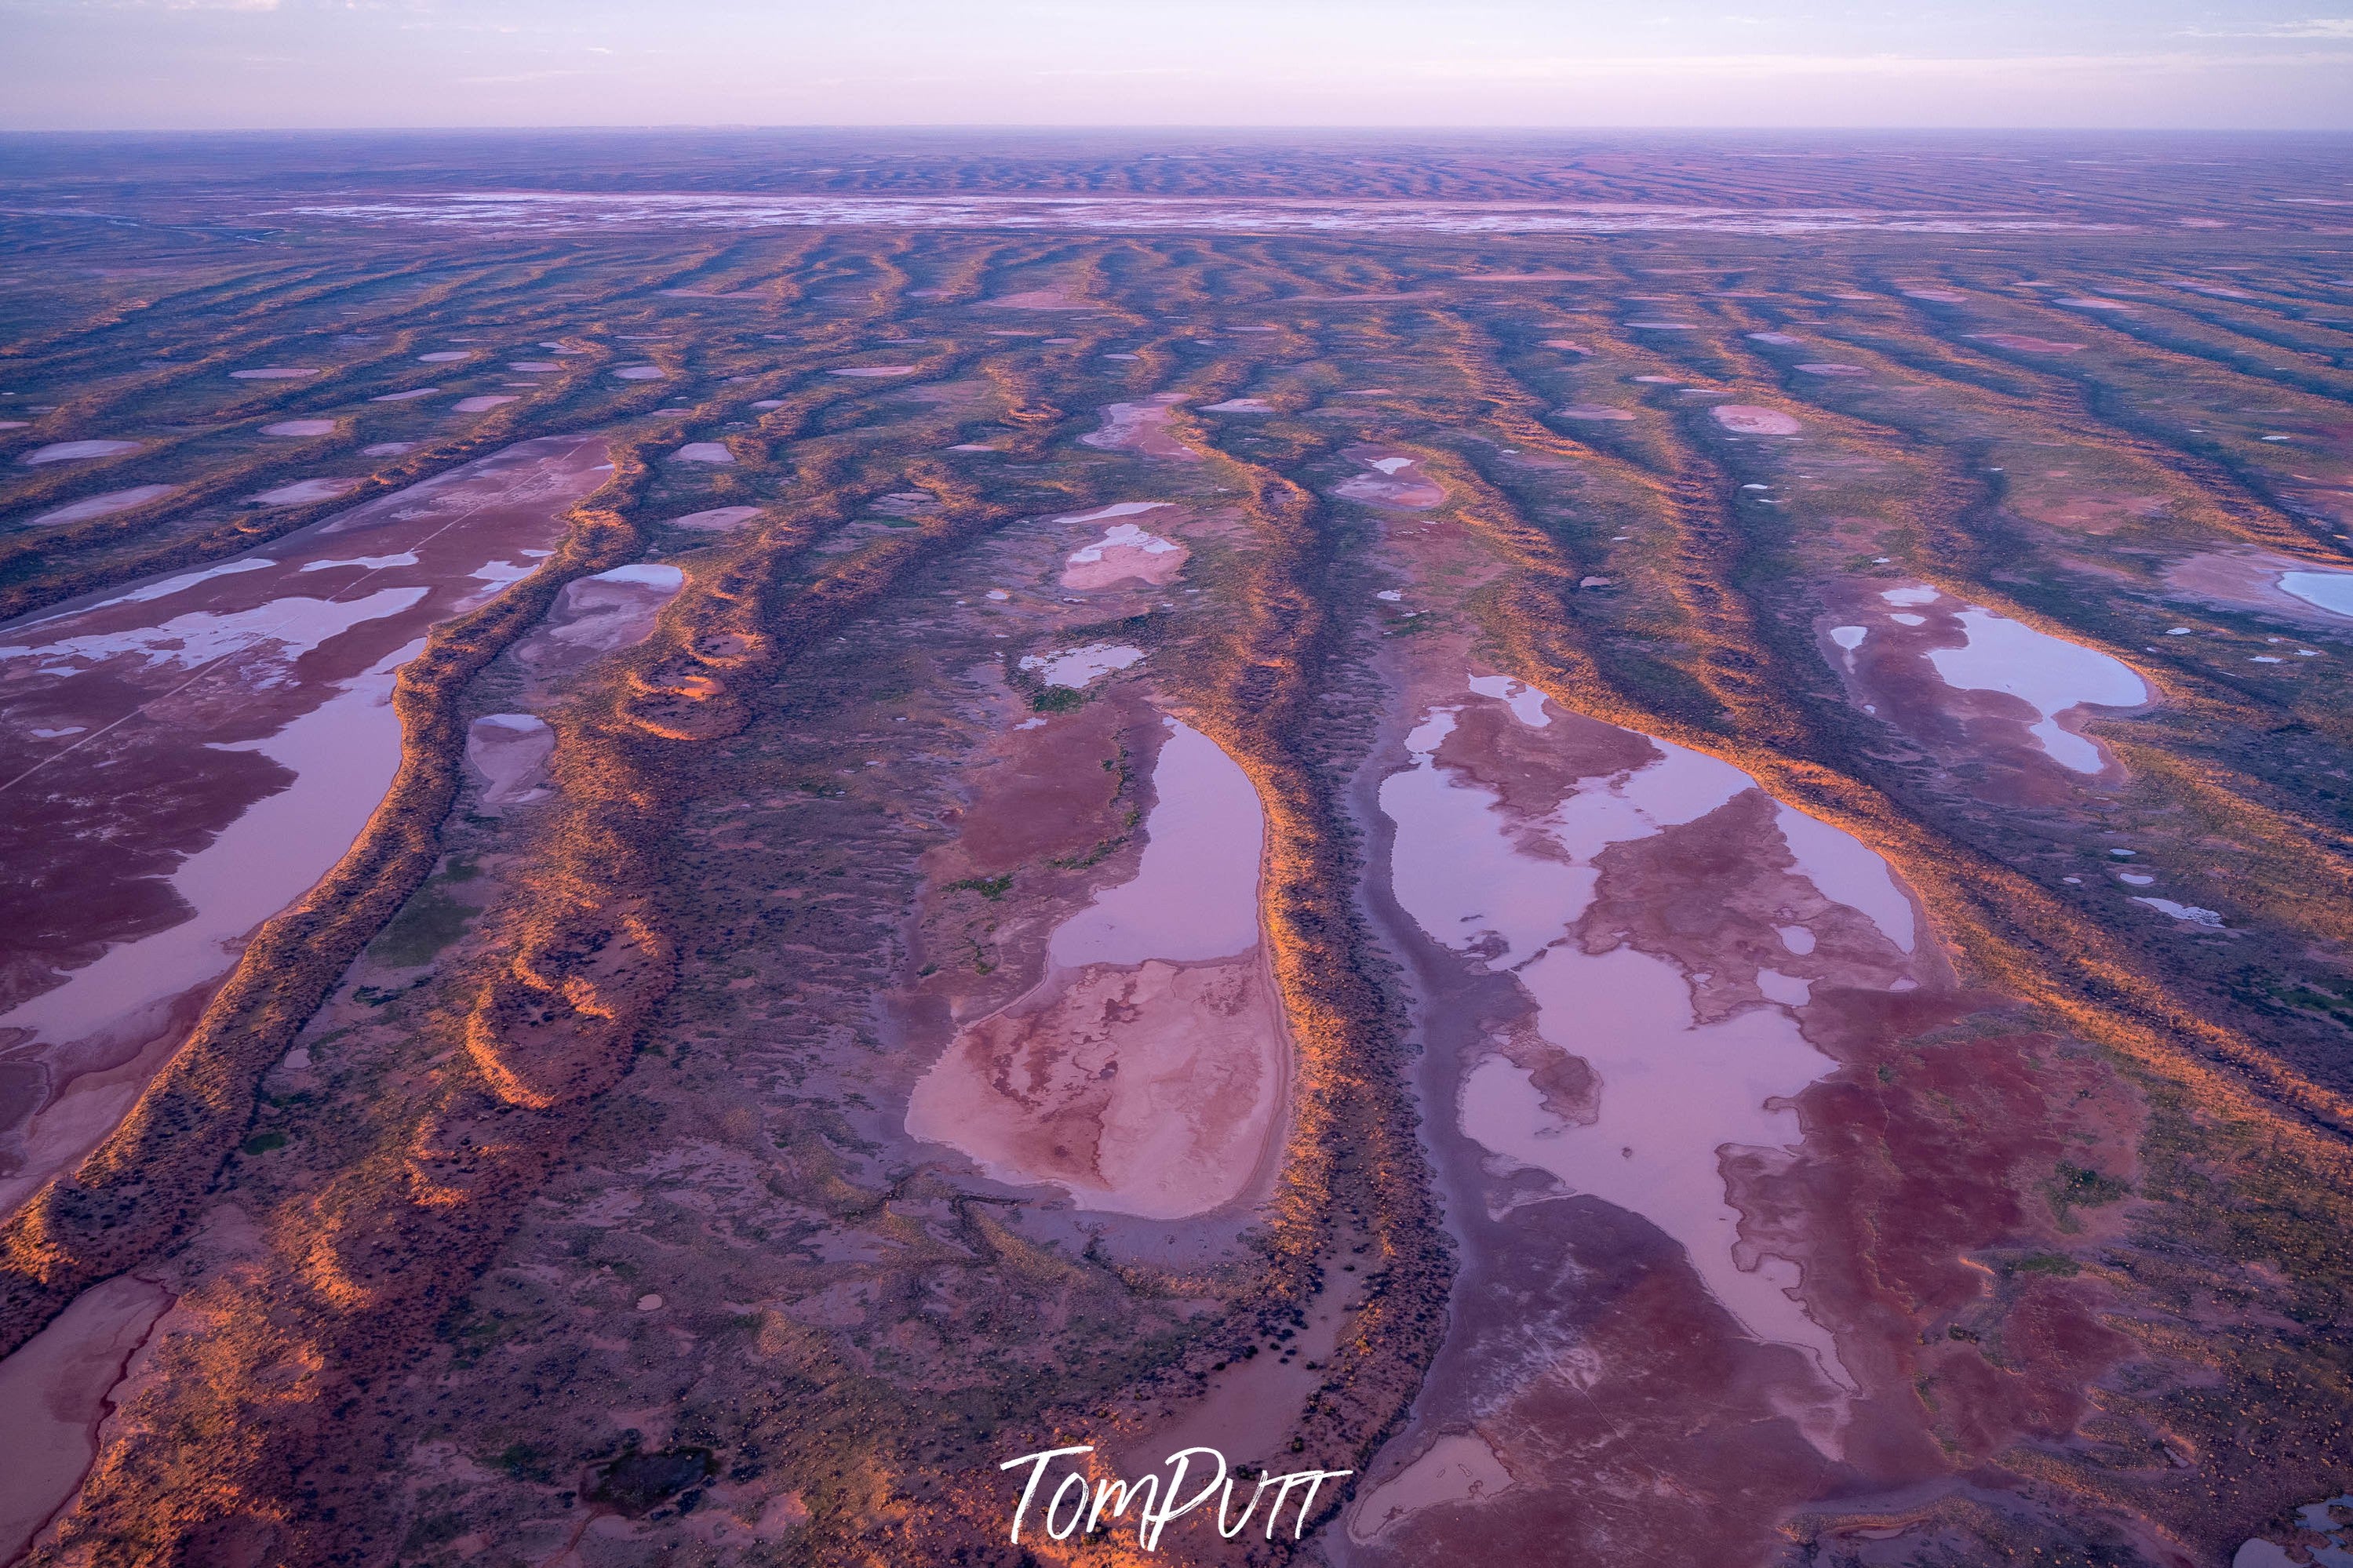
[(99, 64)]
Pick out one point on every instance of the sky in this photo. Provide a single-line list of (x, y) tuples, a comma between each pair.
[(231, 64)]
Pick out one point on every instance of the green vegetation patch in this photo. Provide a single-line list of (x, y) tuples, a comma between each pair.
[(635, 1483), (1096, 855), (2079, 1187), (428, 923)]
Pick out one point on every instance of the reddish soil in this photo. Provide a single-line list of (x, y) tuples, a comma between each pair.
[(509, 750), (1983, 732), (1595, 1402), (135, 731), (1146, 1089), (1050, 795), (1396, 480), (58, 1390), (2096, 513), (1124, 555), (1142, 428), (2249, 580)]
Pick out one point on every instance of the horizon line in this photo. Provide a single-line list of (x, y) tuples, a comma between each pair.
[(1184, 128)]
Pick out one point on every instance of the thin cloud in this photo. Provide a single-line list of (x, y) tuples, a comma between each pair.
[(2313, 27), (1768, 66), (512, 77), (1115, 71)]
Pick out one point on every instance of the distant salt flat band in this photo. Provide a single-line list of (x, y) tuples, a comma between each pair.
[(569, 210)]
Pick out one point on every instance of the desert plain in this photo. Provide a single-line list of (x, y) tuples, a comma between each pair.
[(1647, 838)]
